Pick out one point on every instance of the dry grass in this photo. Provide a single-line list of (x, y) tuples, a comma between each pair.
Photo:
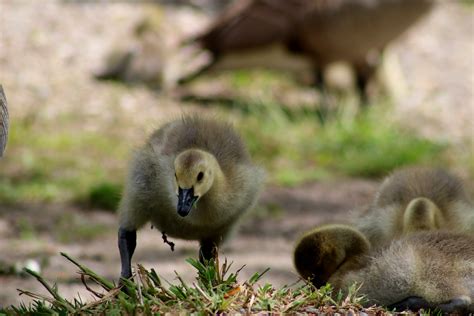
[(215, 290)]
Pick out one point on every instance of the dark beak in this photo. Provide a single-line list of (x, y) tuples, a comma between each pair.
[(186, 200)]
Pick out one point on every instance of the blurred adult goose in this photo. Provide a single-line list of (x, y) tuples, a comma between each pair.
[(322, 31)]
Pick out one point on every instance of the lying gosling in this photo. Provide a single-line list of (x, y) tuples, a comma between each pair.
[(426, 270), (330, 251), (422, 270), (193, 180), (3, 121), (414, 199), (411, 200)]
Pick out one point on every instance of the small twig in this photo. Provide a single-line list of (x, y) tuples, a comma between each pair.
[(105, 297), (36, 296), (249, 306), (166, 241), (52, 290), (139, 285), (217, 265), (225, 268), (83, 279), (107, 285), (147, 283), (240, 269), (202, 292), (180, 279)]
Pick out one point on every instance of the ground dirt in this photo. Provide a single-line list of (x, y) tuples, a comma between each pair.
[(264, 240), (48, 50)]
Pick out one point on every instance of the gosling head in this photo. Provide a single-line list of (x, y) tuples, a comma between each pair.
[(421, 214), (194, 176)]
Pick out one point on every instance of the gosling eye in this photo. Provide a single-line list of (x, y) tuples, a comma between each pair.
[(200, 176)]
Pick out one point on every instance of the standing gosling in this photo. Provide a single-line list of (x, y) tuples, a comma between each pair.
[(193, 179), (426, 270), (414, 199)]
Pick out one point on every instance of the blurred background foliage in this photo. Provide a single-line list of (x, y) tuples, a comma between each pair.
[(58, 162), (57, 158)]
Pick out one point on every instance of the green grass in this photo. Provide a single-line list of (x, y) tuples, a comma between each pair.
[(296, 147), (74, 228), (26, 229), (58, 161), (215, 290), (105, 196), (65, 227)]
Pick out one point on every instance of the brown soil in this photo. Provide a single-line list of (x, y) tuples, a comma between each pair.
[(264, 240)]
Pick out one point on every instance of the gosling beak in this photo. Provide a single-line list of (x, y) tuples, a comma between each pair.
[(186, 200)]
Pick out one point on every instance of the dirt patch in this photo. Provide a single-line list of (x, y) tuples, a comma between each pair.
[(264, 240)]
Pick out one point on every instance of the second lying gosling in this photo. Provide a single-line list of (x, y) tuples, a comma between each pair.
[(193, 180), (426, 270), (417, 199), (429, 270)]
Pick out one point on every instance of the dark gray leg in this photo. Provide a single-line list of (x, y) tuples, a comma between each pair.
[(318, 78), (364, 74), (318, 82), (457, 305), (127, 241), (413, 303), (208, 250), (201, 71)]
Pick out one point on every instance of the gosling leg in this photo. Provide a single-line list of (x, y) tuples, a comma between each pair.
[(127, 241), (457, 305), (413, 303), (208, 250)]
